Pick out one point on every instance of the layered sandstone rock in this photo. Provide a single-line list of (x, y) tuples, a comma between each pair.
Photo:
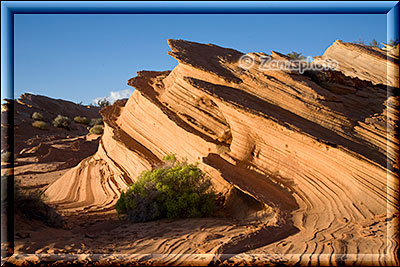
[(367, 63), (319, 149)]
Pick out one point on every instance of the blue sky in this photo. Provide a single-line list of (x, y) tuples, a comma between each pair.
[(83, 57)]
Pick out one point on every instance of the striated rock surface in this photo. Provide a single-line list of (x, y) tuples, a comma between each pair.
[(318, 149), (367, 63)]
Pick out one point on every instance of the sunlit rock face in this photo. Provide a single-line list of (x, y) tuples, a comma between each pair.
[(367, 63), (318, 148)]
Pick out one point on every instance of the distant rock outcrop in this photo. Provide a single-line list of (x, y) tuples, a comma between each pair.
[(26, 137), (320, 148)]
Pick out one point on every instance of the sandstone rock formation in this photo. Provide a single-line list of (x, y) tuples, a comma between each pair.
[(372, 63), (319, 149), (392, 50)]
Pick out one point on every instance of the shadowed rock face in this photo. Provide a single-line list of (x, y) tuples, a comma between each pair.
[(319, 149)]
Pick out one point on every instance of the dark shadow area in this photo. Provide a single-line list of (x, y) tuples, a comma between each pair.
[(264, 191), (206, 57), (68, 153), (261, 238), (258, 185), (349, 90)]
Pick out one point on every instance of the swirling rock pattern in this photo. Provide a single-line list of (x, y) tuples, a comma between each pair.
[(318, 148)]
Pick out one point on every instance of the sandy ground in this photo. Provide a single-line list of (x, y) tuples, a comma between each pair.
[(104, 236), (255, 237)]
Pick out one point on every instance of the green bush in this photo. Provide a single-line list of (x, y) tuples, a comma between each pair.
[(37, 116), (296, 55), (81, 120), (40, 125), (97, 129), (174, 190), (61, 122), (97, 121)]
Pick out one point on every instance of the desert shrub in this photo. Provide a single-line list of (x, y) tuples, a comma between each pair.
[(175, 190), (374, 43), (97, 129), (37, 116), (81, 120), (61, 122), (40, 125), (96, 121), (103, 102), (295, 55), (30, 205)]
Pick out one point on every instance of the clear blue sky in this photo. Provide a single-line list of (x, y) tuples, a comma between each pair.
[(82, 57)]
